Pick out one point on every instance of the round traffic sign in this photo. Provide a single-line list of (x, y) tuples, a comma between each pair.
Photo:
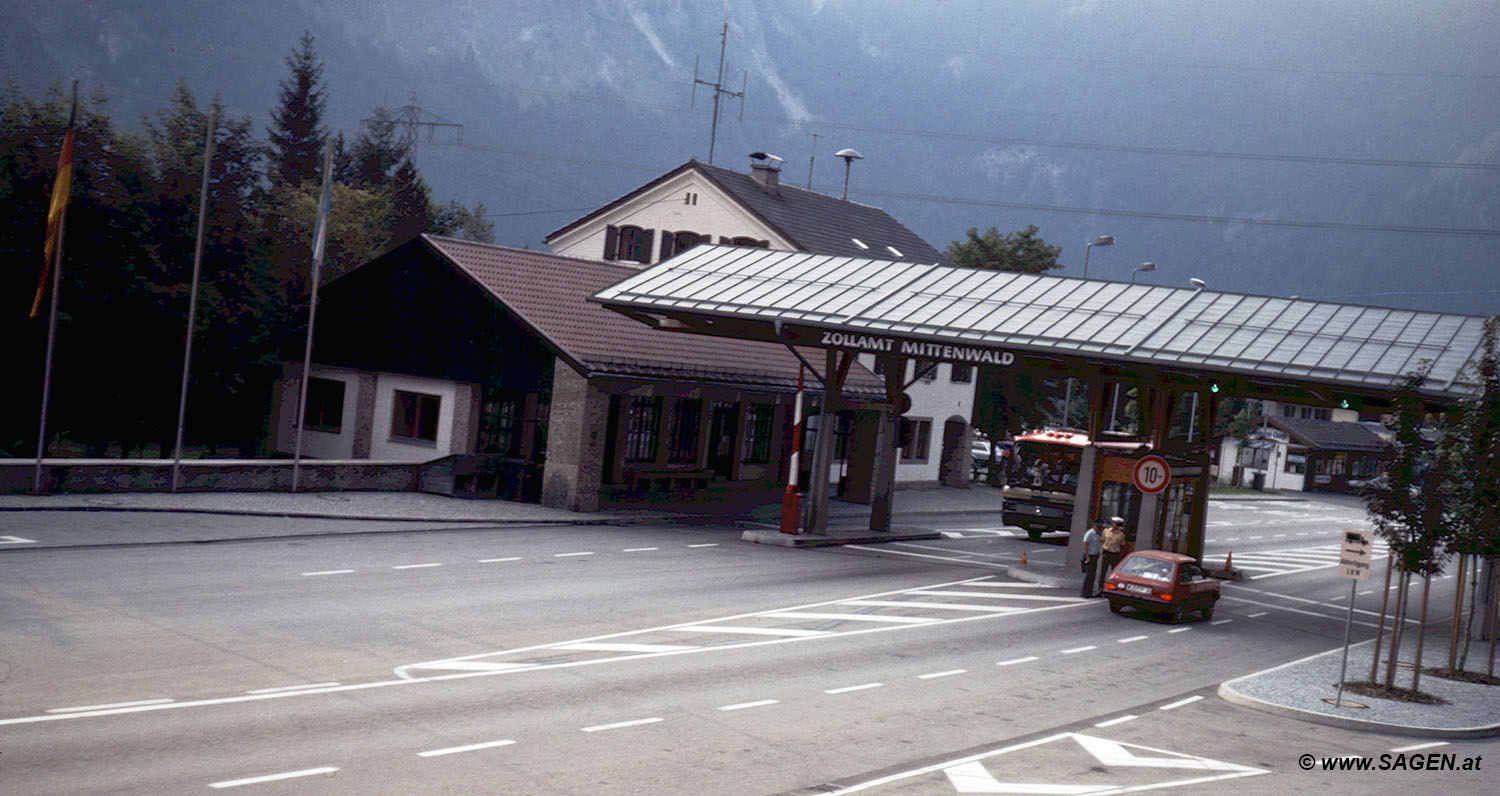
[(1151, 474)]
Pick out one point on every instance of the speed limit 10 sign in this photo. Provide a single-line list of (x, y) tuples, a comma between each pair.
[(1152, 474)]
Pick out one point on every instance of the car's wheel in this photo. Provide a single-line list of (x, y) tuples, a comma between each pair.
[(1208, 611), (1036, 535), (1175, 615), (1115, 606)]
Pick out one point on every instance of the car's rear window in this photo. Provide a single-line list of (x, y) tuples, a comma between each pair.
[(1148, 568)]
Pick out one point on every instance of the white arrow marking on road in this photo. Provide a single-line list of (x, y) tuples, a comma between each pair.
[(15, 540), (975, 778)]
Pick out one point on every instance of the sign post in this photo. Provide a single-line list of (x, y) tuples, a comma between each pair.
[(1151, 474), (1354, 564)]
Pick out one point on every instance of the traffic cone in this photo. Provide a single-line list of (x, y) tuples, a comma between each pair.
[(1228, 558), (1228, 572), (1023, 558)]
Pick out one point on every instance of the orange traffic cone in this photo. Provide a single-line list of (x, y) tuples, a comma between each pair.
[(1023, 558)]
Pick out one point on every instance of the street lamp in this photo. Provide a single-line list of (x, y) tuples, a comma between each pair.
[(1102, 240), (1140, 268)]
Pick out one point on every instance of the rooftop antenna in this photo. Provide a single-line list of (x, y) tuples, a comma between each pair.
[(811, 155), (718, 90), (849, 157)]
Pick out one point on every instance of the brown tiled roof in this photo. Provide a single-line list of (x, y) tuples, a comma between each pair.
[(550, 294)]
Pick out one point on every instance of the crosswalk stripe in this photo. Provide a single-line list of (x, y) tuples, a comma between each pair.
[(994, 596), (994, 609), (600, 646), (895, 620), (748, 631), (472, 666)]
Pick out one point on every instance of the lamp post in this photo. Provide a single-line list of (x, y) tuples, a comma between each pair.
[(1140, 268), (1102, 240)]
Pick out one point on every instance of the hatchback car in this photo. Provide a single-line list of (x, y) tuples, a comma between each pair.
[(1169, 584)]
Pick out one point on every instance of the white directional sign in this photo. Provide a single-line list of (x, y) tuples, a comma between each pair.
[(1355, 554), (1152, 473)]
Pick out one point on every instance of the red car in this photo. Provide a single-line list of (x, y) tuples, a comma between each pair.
[(1170, 584)]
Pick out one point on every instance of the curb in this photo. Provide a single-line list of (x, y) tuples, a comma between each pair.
[(1228, 693), (1030, 574)]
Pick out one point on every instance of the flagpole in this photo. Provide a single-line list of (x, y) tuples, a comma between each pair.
[(41, 433), (320, 238), (187, 350)]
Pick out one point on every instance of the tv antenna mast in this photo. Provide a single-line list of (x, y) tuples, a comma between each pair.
[(718, 90)]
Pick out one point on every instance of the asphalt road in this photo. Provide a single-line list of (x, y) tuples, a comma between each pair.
[(656, 660)]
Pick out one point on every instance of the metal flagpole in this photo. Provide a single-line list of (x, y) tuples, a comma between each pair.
[(320, 237), (187, 351), (41, 433)]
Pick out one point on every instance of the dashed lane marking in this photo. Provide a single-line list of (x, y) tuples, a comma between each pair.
[(326, 572), (1179, 703), (1133, 639), (1014, 661), (1120, 720), (473, 747), (306, 772), (415, 566), (499, 560), (621, 724), (849, 688), (1077, 650), (746, 705), (936, 675)]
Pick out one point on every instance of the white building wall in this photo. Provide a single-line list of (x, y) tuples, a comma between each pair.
[(383, 446), (686, 203), (319, 444), (935, 402)]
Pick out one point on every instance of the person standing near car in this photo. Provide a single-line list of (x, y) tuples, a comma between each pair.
[(1113, 543), (1091, 550)]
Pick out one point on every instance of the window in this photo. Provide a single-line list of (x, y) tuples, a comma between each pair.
[(1296, 463), (962, 374), (742, 240), (842, 429), (642, 421), (628, 243), (928, 369), (325, 405), (758, 433), (1287, 410), (686, 413), (501, 413), (677, 242), (916, 436), (879, 369), (414, 416)]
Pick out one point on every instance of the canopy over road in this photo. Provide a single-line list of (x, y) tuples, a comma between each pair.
[(1286, 348)]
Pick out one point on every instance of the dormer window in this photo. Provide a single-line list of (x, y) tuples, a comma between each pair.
[(677, 242), (628, 243), (751, 242)]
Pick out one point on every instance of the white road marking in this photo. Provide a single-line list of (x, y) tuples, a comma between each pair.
[(1415, 747), (1008, 584), (570, 555), (415, 566), (1260, 614), (115, 705), (749, 631), (996, 596), (714, 544), (473, 747), (480, 666), (965, 559), (757, 704), (936, 675), (498, 560), (15, 540), (992, 609), (1120, 720), (619, 724), (900, 620), (1221, 621), (846, 689), (306, 772), (1076, 650), (639, 549), (1014, 661), (600, 646), (284, 688), (1133, 638), (1179, 703), (1179, 630), (327, 572)]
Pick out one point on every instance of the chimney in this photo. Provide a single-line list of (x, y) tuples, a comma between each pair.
[(767, 172)]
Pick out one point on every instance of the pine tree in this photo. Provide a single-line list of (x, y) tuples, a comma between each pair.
[(411, 204), (296, 132)]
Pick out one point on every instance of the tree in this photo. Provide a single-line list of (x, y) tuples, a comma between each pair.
[(1473, 451), (1021, 252), (296, 133), (375, 155), (457, 221), (1409, 511), (411, 205)]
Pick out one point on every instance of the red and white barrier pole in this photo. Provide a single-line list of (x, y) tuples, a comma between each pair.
[(791, 502)]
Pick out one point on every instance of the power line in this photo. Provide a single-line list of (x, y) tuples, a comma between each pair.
[(1263, 222)]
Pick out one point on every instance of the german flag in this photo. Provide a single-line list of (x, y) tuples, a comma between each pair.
[(61, 188)]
